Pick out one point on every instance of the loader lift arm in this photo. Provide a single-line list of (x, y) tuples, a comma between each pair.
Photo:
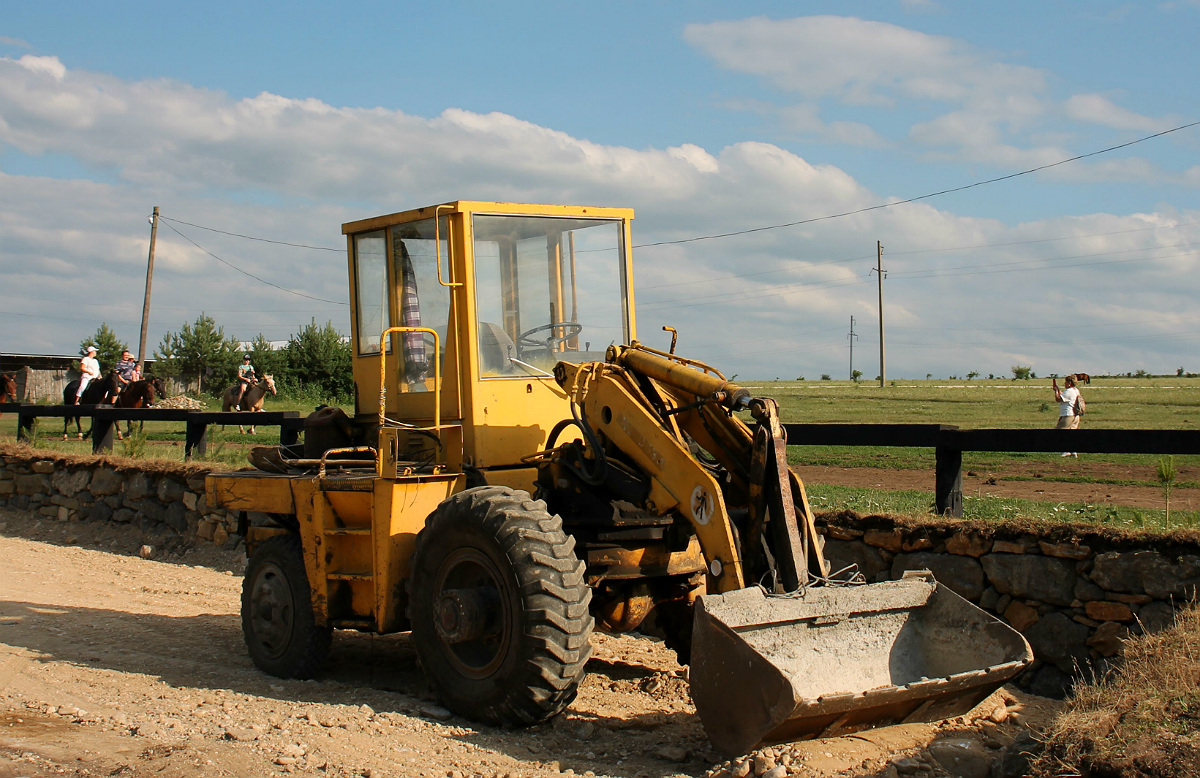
[(657, 409)]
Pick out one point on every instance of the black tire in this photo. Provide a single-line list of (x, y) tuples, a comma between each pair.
[(525, 658), (277, 615)]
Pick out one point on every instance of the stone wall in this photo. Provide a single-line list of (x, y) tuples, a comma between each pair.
[(1075, 591), (162, 502)]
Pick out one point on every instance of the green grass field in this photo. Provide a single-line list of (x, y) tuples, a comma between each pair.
[(1117, 403)]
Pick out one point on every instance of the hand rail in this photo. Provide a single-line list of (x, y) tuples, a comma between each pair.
[(437, 373)]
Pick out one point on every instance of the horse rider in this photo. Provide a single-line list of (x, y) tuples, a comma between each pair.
[(245, 377), (90, 369), (126, 370)]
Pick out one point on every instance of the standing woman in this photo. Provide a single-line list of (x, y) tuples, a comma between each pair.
[(1069, 407)]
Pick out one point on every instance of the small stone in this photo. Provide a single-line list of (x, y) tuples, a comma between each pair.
[(999, 714), (1020, 615), (1065, 550), (146, 552), (435, 712), (672, 753), (240, 734), (762, 763), (1108, 611), (741, 769), (776, 772), (962, 757), (905, 765)]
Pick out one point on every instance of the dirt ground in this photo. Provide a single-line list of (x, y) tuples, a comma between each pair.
[(1029, 481), (115, 665)]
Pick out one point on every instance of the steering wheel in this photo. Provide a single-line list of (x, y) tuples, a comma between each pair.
[(569, 329)]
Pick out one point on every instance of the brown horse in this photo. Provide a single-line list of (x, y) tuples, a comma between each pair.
[(1081, 378), (139, 394), (96, 392), (252, 400), (8, 389)]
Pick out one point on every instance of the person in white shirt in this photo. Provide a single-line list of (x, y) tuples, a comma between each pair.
[(1068, 410), (91, 371)]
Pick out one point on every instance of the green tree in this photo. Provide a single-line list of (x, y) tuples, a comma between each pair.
[(200, 350), (108, 346), (855, 375), (319, 356), (1021, 372)]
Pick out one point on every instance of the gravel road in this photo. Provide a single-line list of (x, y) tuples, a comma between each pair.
[(115, 665)]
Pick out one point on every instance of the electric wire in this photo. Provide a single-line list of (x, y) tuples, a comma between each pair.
[(248, 237), (249, 274), (928, 196)]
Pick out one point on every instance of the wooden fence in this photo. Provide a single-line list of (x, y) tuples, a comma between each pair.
[(949, 443), (105, 417)]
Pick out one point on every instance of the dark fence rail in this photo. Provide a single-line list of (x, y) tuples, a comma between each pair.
[(105, 417), (950, 442)]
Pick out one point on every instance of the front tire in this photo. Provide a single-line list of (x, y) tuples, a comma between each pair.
[(499, 607), (277, 615)]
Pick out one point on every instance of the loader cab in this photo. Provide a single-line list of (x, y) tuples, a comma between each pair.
[(495, 294)]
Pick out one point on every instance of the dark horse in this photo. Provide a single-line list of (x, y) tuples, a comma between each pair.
[(139, 394), (102, 391), (8, 388)]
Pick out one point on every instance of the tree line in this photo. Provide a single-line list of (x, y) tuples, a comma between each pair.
[(315, 364)]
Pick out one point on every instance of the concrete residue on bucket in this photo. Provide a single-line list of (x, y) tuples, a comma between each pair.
[(839, 659)]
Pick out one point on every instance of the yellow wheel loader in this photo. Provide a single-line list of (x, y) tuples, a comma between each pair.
[(519, 471)]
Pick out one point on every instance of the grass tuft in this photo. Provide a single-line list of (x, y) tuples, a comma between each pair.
[(1143, 719)]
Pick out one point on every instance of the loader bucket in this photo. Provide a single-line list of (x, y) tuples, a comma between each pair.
[(767, 669)]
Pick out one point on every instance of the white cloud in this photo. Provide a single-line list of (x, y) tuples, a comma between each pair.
[(962, 103), (1097, 109), (72, 252), (50, 66), (858, 61)]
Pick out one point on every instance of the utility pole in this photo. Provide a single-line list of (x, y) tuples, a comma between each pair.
[(879, 272), (146, 301), (852, 337)]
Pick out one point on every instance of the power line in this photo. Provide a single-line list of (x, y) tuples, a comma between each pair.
[(251, 275), (250, 237), (921, 197)]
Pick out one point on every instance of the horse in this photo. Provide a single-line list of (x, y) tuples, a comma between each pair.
[(8, 389), (96, 392), (252, 400), (139, 394), (1081, 378)]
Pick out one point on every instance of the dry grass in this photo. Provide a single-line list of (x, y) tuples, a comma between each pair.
[(1142, 720)]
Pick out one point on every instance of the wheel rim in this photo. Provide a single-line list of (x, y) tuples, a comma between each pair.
[(471, 570), (271, 609)]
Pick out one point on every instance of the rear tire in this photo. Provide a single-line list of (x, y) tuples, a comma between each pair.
[(517, 655), (277, 615)]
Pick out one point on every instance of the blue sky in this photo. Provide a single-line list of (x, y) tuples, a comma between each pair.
[(281, 121)]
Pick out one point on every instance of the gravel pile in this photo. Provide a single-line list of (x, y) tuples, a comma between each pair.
[(181, 401)]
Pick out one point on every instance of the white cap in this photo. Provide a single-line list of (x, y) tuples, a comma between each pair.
[(91, 349)]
